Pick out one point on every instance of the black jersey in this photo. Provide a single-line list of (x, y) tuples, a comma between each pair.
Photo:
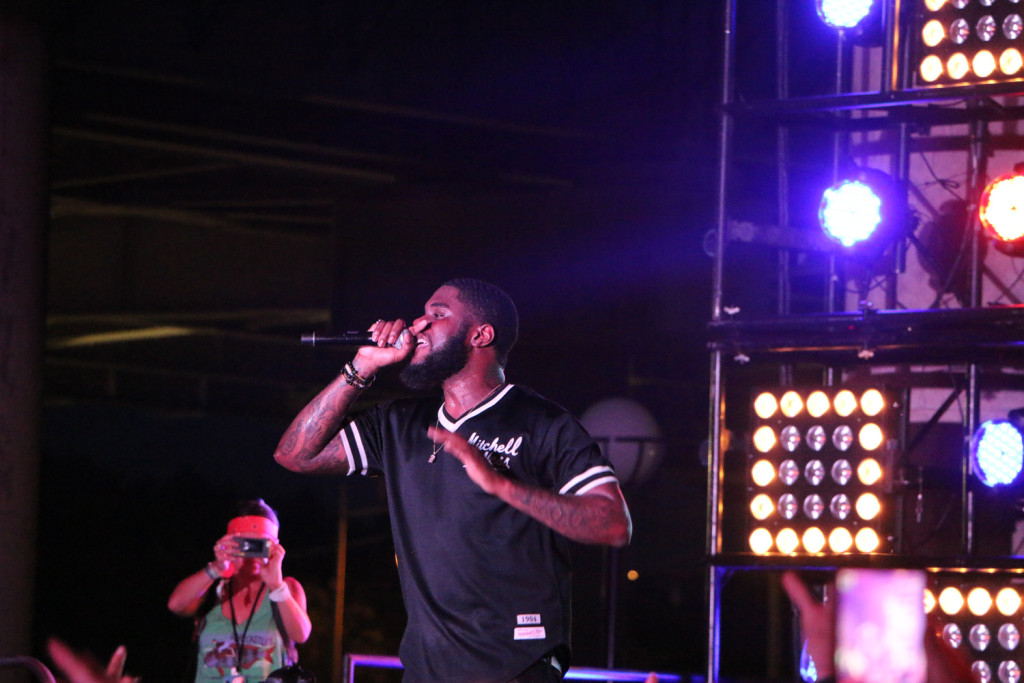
[(486, 587)]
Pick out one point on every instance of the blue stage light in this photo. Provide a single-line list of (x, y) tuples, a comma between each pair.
[(850, 212), (997, 453), (843, 14), (865, 212)]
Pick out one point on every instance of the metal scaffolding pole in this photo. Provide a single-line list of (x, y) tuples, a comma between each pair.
[(714, 473)]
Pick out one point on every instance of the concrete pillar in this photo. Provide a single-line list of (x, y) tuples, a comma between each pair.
[(24, 123)]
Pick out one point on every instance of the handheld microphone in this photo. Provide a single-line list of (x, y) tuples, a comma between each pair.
[(340, 339)]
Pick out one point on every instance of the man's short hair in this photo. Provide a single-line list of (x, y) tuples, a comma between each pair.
[(491, 305)]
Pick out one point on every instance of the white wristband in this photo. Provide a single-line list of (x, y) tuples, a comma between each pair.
[(280, 594)]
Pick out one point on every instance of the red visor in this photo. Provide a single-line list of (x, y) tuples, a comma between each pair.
[(253, 525)]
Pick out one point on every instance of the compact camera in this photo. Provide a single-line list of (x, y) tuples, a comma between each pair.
[(253, 547)]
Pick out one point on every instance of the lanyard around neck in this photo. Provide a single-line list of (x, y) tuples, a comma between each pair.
[(239, 643)]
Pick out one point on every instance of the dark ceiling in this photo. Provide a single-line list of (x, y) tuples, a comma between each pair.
[(228, 175)]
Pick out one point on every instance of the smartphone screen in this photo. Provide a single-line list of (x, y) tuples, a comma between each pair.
[(880, 624)]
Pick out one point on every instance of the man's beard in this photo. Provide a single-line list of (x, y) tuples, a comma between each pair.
[(439, 365)]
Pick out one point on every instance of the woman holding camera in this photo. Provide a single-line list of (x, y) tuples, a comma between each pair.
[(248, 614)]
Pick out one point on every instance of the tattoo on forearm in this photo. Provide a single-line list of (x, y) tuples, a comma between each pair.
[(581, 518), (311, 442)]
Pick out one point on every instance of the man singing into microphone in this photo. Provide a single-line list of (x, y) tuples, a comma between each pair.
[(484, 487)]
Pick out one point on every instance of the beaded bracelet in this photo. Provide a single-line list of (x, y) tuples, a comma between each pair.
[(353, 378)]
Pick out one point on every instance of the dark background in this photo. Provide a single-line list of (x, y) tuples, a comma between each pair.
[(249, 172)]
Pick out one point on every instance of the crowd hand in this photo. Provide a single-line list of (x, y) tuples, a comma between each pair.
[(817, 621), (476, 466), (225, 550), (273, 575), (83, 668)]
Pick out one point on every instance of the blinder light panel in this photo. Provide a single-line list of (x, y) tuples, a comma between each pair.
[(967, 41), (818, 471), (978, 615)]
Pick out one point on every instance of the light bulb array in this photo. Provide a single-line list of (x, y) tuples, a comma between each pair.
[(975, 41), (818, 468), (979, 614)]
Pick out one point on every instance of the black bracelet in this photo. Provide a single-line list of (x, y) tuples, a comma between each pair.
[(354, 379)]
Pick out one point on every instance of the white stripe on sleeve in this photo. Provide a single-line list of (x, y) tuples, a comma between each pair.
[(601, 472), (356, 456)]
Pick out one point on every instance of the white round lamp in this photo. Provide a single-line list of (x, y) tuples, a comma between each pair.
[(628, 435)]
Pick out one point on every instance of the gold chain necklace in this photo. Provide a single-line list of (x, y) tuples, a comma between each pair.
[(437, 446), (437, 422)]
